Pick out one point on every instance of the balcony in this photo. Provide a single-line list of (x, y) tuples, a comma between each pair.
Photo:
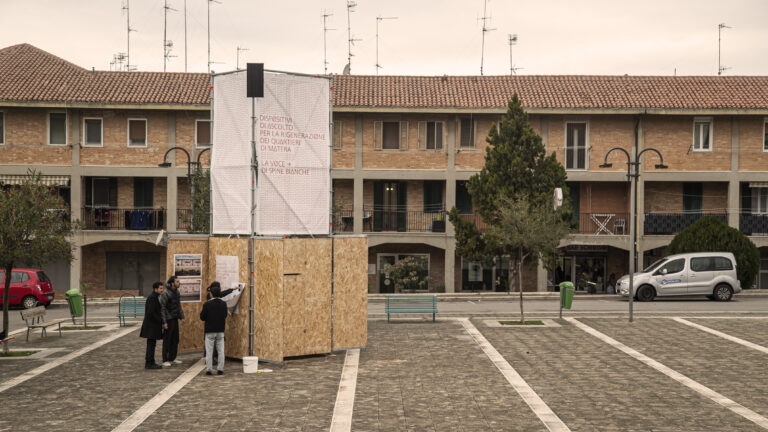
[(183, 219), (603, 223), (673, 223), (753, 224), (114, 218)]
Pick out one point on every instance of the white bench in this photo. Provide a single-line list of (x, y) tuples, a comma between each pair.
[(35, 318)]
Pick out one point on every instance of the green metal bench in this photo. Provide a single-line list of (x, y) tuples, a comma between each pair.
[(411, 304), (130, 307)]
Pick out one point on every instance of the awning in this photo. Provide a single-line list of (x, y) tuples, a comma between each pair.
[(47, 180), (758, 184)]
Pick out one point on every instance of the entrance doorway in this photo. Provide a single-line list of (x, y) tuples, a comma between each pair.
[(587, 272)]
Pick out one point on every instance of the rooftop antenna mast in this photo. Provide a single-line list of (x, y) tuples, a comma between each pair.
[(512, 41), (378, 20), (167, 45), (325, 33), (239, 49), (485, 20), (350, 40), (720, 67), (209, 33), (127, 8)]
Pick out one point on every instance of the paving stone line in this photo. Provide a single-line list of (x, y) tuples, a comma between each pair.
[(538, 406), (345, 400), (162, 397), (682, 379), (61, 360), (723, 335)]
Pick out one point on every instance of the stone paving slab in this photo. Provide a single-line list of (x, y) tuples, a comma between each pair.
[(417, 376), (299, 396), (594, 387), (749, 329), (95, 391), (733, 370)]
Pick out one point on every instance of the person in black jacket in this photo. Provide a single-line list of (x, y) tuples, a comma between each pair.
[(152, 326), (214, 314), (170, 305)]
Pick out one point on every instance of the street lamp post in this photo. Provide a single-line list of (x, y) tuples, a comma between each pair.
[(167, 164), (633, 173)]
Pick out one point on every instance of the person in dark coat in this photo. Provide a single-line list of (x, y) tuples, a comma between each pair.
[(172, 313), (152, 326), (214, 314)]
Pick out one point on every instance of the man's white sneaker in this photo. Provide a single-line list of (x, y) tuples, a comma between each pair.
[(167, 364), (177, 361)]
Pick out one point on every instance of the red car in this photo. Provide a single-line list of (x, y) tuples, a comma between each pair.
[(29, 287)]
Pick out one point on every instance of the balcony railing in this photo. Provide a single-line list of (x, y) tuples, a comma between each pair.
[(183, 219), (754, 224), (603, 223), (115, 218), (343, 221), (673, 223), (393, 219)]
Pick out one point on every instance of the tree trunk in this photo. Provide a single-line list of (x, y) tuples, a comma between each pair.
[(6, 292), (520, 283)]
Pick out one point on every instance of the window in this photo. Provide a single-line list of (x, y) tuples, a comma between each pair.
[(467, 137), (702, 264), (142, 192), (430, 135), (702, 134), (101, 191), (57, 128), (576, 146), (765, 135), (759, 200), (337, 134), (203, 133), (674, 266), (92, 132), (723, 264), (463, 199), (390, 135), (433, 196), (137, 133), (2, 128), (18, 277)]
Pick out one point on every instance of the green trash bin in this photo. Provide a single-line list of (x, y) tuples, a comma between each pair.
[(75, 300), (566, 294)]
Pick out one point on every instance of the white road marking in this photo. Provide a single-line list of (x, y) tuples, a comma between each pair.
[(677, 376), (61, 360), (156, 402), (723, 335), (537, 405), (345, 398)]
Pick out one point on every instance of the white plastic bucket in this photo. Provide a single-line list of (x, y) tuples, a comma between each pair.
[(250, 364)]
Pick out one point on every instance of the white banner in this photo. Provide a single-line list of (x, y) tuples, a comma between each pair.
[(292, 140)]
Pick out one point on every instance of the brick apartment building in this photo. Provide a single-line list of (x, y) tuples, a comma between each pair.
[(403, 149)]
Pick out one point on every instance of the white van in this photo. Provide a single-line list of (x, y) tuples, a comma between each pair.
[(712, 274)]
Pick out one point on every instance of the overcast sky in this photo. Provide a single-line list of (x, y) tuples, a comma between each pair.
[(429, 37)]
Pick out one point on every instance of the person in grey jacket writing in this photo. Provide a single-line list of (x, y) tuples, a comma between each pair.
[(170, 307)]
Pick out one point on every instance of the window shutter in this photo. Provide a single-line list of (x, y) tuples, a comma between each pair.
[(439, 135), (403, 135), (336, 135), (474, 134), (422, 135), (377, 135)]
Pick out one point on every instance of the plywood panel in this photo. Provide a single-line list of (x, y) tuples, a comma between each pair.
[(268, 299), (191, 331), (294, 315), (236, 334), (317, 303), (350, 292)]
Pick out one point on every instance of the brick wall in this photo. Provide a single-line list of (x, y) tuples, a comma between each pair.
[(115, 150), (751, 154), (667, 197), (26, 140), (345, 157), (185, 136), (343, 194), (94, 264), (673, 136), (413, 158), (598, 197)]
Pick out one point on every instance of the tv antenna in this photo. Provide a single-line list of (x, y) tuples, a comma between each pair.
[(127, 10), (350, 40), (209, 33), (325, 44), (167, 45), (118, 62), (485, 20), (239, 49), (378, 20), (720, 67), (512, 41)]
